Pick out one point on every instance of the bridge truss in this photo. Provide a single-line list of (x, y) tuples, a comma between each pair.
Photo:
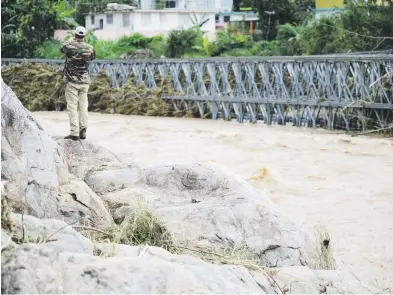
[(335, 91)]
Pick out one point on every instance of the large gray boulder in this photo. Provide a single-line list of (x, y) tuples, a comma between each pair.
[(35, 176), (121, 269), (102, 170), (85, 158), (77, 199), (53, 233), (41, 270), (113, 180), (6, 240), (205, 207), (32, 163)]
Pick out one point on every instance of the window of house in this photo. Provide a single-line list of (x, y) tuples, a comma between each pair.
[(146, 19), (92, 19), (126, 19), (217, 19), (109, 19), (227, 18), (170, 4)]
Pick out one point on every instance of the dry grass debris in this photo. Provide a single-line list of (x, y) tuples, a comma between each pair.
[(139, 228), (40, 88)]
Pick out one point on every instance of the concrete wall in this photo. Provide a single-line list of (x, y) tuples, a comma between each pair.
[(118, 21), (329, 4), (164, 21), (150, 23)]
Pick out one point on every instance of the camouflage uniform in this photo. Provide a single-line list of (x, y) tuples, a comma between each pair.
[(76, 74)]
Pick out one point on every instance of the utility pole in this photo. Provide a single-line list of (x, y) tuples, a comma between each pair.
[(268, 24)]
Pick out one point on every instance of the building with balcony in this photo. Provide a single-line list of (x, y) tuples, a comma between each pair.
[(155, 17), (245, 19)]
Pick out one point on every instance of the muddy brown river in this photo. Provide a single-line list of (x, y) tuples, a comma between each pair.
[(343, 182)]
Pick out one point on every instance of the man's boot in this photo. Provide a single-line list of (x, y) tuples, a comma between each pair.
[(82, 133), (73, 137)]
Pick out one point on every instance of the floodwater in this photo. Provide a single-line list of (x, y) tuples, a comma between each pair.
[(345, 183)]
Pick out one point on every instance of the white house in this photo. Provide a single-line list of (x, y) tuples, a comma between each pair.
[(154, 17), (224, 19)]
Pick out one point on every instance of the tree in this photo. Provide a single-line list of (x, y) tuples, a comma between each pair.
[(27, 24), (286, 11), (181, 41), (366, 26), (323, 37), (361, 27), (237, 4), (9, 25)]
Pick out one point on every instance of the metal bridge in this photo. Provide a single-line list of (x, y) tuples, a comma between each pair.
[(332, 91)]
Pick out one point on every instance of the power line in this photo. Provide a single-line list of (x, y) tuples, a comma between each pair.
[(366, 36)]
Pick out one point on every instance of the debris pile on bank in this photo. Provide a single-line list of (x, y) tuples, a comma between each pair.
[(41, 88)]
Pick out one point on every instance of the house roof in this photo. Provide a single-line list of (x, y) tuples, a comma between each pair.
[(247, 13), (326, 9), (232, 13)]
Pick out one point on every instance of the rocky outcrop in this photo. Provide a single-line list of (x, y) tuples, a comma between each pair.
[(77, 198), (113, 180), (6, 241), (85, 158), (53, 233), (35, 175), (32, 163), (206, 207), (208, 211), (39, 269), (203, 206)]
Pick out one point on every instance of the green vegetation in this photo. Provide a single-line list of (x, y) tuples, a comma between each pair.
[(324, 248), (27, 32)]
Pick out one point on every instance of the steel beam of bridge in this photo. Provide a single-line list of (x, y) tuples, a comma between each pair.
[(349, 89)]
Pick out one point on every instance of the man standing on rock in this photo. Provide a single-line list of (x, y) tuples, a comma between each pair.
[(78, 54)]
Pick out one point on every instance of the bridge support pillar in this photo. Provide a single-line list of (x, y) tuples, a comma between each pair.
[(214, 109), (251, 107), (262, 107), (330, 120), (201, 107), (280, 116), (225, 107), (268, 118), (176, 105), (238, 107)]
